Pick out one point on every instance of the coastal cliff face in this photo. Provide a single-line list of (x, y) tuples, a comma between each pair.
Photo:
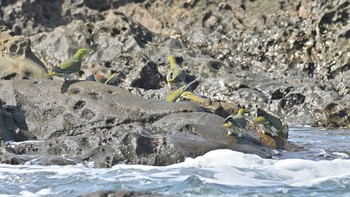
[(290, 58)]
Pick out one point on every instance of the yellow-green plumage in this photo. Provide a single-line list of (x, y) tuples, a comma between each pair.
[(237, 120), (70, 66), (175, 72), (174, 95), (191, 96), (270, 124)]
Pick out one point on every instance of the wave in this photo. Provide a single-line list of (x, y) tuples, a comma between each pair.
[(219, 172)]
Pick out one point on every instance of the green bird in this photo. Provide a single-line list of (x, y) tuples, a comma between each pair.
[(189, 95), (97, 77), (112, 80), (237, 122), (175, 95), (270, 124), (175, 73), (70, 66)]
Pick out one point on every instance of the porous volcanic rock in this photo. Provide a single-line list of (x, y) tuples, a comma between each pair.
[(89, 121), (17, 60)]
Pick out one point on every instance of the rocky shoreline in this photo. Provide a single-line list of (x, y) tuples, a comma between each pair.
[(290, 59)]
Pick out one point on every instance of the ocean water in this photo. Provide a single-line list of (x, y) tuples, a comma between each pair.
[(321, 170)]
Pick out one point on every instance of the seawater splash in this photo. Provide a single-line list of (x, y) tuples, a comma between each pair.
[(217, 173)]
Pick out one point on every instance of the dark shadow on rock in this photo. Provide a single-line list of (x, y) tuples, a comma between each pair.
[(13, 126), (65, 85), (149, 77)]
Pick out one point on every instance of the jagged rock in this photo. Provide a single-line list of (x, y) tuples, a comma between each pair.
[(12, 124), (17, 59), (333, 114)]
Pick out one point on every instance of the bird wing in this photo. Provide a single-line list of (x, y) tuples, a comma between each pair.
[(274, 121), (237, 121), (71, 65)]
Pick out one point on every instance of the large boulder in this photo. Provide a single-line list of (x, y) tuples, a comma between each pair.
[(79, 121)]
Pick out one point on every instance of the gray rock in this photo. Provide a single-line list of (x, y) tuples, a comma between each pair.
[(91, 121), (17, 59), (291, 60)]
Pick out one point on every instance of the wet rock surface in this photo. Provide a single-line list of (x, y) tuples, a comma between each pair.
[(121, 194), (290, 58)]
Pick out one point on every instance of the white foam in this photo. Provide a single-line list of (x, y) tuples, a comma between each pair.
[(223, 167), (341, 155), (238, 169)]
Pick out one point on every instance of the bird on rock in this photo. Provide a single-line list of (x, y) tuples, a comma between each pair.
[(97, 77), (270, 124), (236, 122), (189, 95), (112, 80), (175, 94), (175, 73), (71, 66)]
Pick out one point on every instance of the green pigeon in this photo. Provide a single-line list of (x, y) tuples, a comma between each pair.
[(70, 66), (237, 121), (175, 73), (189, 95), (270, 124), (98, 78), (175, 94), (112, 80)]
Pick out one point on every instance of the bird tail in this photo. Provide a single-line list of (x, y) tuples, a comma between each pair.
[(112, 80), (53, 73)]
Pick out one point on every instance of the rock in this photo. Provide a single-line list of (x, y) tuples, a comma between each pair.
[(109, 41), (290, 59), (90, 121), (78, 106), (333, 114), (17, 59), (12, 124), (121, 194), (200, 128)]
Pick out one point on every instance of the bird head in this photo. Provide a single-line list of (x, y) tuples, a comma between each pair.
[(241, 111), (260, 119), (81, 52)]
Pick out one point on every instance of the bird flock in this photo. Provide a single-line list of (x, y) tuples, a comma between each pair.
[(180, 90)]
